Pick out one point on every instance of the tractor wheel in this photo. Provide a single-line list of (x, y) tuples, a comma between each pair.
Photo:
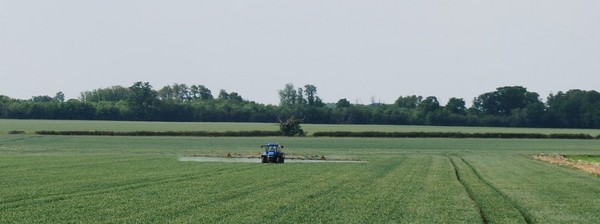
[(282, 159), (264, 159)]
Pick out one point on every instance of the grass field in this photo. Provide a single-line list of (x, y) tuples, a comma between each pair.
[(58, 179), (30, 126), (586, 158)]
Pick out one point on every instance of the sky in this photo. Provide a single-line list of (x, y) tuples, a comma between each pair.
[(364, 51)]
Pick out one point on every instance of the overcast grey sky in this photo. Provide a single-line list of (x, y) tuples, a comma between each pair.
[(359, 50)]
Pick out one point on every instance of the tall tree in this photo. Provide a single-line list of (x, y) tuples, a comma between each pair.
[(429, 104), (182, 92), (41, 99), (288, 95), (200, 92), (300, 97), (311, 94), (223, 95), (59, 97), (504, 100), (575, 108), (112, 94), (167, 93), (233, 96), (456, 106), (342, 103), (143, 100), (408, 102)]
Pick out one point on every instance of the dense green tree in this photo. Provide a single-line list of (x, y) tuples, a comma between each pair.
[(291, 127), (507, 106), (166, 93), (311, 94), (288, 95), (342, 103), (504, 100), (300, 97), (59, 97), (143, 100), (233, 96), (112, 94), (456, 106), (76, 110), (176, 92), (200, 92), (182, 92), (42, 99), (408, 102), (575, 108), (223, 95), (428, 105)]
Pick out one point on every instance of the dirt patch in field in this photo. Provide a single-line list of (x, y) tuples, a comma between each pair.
[(577, 164), (240, 158)]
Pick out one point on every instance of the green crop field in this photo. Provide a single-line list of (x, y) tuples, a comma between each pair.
[(30, 126), (67, 179), (586, 158)]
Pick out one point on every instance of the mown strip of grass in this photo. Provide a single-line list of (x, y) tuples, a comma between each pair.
[(451, 135), (166, 133), (30, 126), (258, 133)]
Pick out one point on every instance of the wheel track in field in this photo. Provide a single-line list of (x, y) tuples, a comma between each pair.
[(475, 195), (482, 213), (24, 202), (526, 216)]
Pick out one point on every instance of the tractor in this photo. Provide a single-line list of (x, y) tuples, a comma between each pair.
[(272, 153)]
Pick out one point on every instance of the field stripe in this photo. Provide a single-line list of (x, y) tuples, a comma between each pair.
[(526, 216), (471, 195), (493, 206), (545, 192)]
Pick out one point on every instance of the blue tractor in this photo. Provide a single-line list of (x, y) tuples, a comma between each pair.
[(272, 153)]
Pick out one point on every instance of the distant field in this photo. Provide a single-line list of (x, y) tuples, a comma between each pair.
[(31, 126), (92, 179)]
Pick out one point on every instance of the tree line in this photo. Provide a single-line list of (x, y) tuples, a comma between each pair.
[(509, 106)]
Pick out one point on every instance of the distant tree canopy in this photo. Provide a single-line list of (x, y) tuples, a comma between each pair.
[(505, 99), (509, 106)]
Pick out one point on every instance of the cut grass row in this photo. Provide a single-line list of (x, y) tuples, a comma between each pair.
[(320, 134)]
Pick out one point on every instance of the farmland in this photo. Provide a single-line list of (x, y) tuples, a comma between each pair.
[(50, 179), (31, 126)]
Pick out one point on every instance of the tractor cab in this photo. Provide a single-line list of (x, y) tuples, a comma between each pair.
[(272, 153)]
